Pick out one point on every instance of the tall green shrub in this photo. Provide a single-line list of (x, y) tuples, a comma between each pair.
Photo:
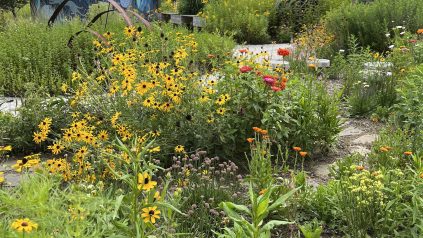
[(372, 21), (246, 19)]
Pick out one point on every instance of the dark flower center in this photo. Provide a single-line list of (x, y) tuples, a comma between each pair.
[(146, 180), (26, 223), (151, 212)]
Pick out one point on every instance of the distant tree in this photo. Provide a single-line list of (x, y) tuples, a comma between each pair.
[(12, 5)]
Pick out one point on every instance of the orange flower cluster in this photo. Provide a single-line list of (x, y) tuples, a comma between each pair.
[(300, 152), (385, 148), (420, 31), (260, 131)]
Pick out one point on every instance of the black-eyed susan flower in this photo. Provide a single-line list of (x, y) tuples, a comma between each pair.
[(56, 148), (179, 149), (45, 124), (129, 31), (221, 111), (103, 135), (150, 214), (39, 137), (24, 225), (145, 182)]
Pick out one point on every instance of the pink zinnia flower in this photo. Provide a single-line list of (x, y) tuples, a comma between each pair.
[(269, 80)]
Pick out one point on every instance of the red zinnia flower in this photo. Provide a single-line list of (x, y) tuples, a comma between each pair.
[(242, 51), (283, 52), (276, 89), (245, 69)]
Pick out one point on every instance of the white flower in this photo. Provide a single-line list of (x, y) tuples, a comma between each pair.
[(387, 35), (388, 73), (391, 46), (341, 51), (402, 33), (399, 27)]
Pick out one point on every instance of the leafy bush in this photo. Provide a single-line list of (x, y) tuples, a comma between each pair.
[(33, 53), (247, 20), (409, 110), (370, 22), (190, 7), (18, 130)]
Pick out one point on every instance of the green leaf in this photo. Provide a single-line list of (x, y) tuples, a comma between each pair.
[(269, 226), (281, 200), (238, 207), (167, 205), (117, 206), (230, 212)]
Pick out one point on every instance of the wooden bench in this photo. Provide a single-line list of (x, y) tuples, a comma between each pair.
[(187, 20)]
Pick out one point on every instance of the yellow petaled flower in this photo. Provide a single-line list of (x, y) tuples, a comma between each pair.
[(56, 148), (145, 182), (157, 196), (150, 214), (103, 135), (64, 87), (24, 225), (130, 31), (155, 149), (39, 137), (6, 148), (221, 111), (45, 124), (179, 149), (1, 177)]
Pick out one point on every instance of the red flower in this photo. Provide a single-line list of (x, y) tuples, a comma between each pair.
[(283, 52), (269, 80), (242, 51), (276, 89), (412, 41), (245, 69), (283, 85)]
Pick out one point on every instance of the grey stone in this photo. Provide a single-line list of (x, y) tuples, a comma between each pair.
[(10, 104), (279, 64), (360, 150), (377, 65), (367, 139), (322, 170), (320, 63), (350, 131)]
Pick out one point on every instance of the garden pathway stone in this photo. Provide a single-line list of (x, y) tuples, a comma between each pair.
[(360, 150), (10, 104), (357, 136), (350, 131), (366, 139)]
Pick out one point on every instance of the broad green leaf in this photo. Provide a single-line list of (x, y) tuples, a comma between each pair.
[(271, 224), (230, 212), (281, 200), (167, 205), (238, 207), (117, 206)]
